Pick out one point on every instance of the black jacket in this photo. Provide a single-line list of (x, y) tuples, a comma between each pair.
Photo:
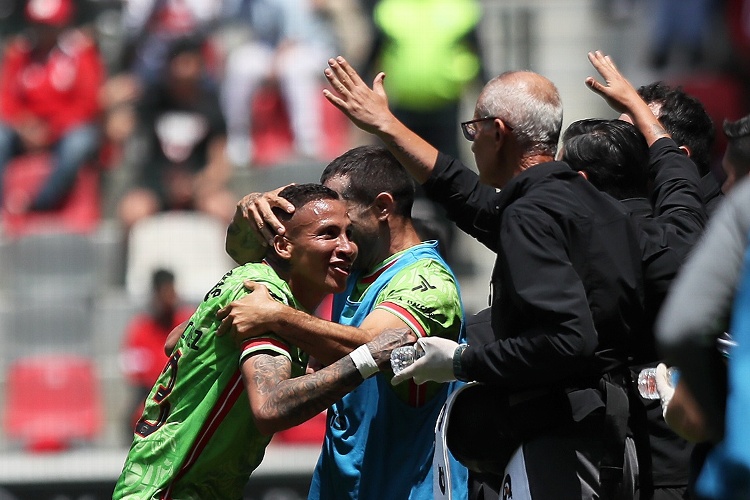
[(669, 226), (567, 291)]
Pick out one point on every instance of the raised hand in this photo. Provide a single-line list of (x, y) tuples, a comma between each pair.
[(616, 90), (366, 107)]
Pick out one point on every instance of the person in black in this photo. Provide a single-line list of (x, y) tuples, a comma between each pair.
[(688, 123), (614, 157), (181, 163), (566, 287)]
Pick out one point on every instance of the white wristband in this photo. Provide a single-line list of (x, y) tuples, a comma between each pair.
[(364, 361)]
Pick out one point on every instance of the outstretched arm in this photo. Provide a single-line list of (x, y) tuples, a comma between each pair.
[(279, 402), (623, 97), (258, 313), (368, 109), (254, 225)]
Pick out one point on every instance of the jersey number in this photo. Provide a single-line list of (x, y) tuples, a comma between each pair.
[(144, 427)]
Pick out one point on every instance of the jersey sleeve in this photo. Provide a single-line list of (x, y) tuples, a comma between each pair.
[(270, 343), (425, 296)]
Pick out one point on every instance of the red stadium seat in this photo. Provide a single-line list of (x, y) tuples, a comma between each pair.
[(52, 402), (80, 213)]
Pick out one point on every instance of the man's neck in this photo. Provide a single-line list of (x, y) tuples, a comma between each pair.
[(309, 299), (403, 237), (534, 159)]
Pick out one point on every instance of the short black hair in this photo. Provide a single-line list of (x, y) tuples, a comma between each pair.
[(372, 170), (185, 45), (301, 194), (686, 120), (613, 153), (161, 277), (738, 144)]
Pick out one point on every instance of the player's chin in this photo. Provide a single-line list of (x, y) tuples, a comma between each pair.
[(337, 278)]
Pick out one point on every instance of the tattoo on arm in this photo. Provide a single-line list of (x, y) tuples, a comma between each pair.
[(291, 401)]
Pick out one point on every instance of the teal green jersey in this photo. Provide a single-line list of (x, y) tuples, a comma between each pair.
[(197, 438), (424, 295)]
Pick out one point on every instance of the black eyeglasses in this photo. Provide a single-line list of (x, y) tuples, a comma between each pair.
[(470, 128)]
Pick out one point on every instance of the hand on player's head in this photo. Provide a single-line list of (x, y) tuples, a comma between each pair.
[(257, 209)]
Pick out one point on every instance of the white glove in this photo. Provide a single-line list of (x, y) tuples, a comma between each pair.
[(436, 364), (663, 386)]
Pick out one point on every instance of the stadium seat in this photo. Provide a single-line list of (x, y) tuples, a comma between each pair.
[(47, 324), (23, 177), (190, 244), (50, 263), (52, 402)]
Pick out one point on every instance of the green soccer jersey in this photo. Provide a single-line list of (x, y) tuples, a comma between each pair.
[(425, 296), (197, 438)]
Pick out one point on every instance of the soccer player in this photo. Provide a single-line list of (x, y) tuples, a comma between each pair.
[(400, 281), (198, 436)]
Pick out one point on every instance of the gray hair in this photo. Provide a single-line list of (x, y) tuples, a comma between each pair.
[(530, 104)]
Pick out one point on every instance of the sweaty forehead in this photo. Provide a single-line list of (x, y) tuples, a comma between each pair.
[(317, 211)]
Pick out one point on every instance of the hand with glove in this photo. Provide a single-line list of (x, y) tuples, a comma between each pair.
[(435, 365), (664, 386)]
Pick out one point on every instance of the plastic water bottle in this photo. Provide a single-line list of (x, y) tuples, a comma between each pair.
[(647, 382), (404, 356)]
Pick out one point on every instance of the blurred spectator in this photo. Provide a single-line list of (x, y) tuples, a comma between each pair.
[(142, 355), (290, 41), (152, 26), (183, 164), (430, 52), (736, 161), (682, 25), (49, 83)]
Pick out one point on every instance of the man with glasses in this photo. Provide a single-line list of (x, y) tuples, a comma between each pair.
[(566, 287)]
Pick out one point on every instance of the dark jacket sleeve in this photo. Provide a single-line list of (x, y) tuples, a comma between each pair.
[(676, 197), (470, 204)]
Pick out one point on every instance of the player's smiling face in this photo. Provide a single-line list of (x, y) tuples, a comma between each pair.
[(323, 252)]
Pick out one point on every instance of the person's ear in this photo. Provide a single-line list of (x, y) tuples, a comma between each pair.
[(584, 174), (282, 246), (384, 205), (686, 149)]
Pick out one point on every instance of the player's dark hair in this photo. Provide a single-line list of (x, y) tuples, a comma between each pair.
[(738, 144), (371, 170), (686, 120), (301, 194), (613, 153)]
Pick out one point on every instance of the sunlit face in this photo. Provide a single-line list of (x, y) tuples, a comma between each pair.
[(322, 250), (364, 225), (483, 148)]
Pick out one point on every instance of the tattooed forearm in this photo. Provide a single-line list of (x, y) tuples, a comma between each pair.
[(282, 402), (301, 398)]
